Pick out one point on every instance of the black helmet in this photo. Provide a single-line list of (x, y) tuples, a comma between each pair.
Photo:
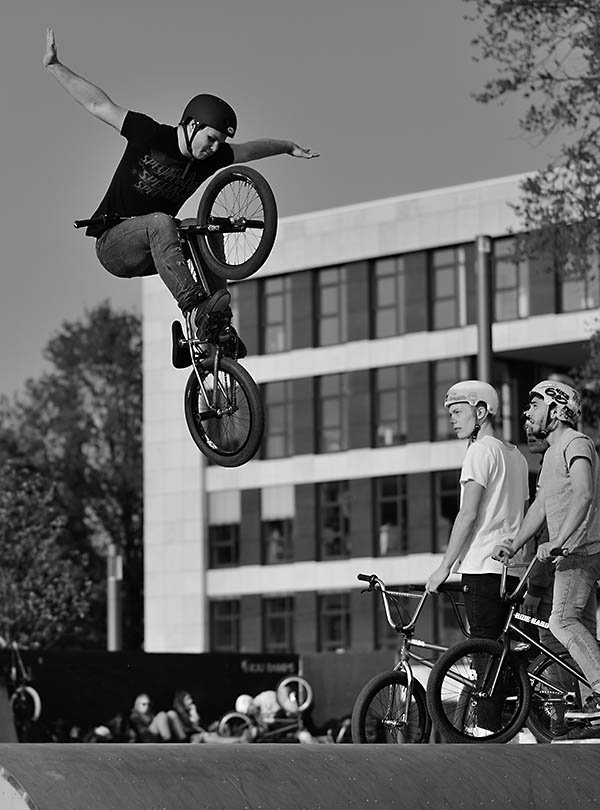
[(211, 111)]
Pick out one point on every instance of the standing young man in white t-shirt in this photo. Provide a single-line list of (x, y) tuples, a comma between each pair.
[(494, 494)]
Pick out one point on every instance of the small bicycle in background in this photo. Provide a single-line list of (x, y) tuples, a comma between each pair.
[(392, 707), (25, 702), (483, 691), (232, 236)]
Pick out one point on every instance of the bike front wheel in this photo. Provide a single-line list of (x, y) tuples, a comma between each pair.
[(294, 694), (239, 206), (234, 724), (473, 699), (224, 413), (383, 712)]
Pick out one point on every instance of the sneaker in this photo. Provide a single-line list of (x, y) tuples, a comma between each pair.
[(580, 733), (590, 711), (233, 345), (199, 317)]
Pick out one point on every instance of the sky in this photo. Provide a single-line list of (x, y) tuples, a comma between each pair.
[(382, 89)]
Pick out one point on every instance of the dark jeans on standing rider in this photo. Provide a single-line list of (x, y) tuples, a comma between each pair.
[(486, 614), (147, 245)]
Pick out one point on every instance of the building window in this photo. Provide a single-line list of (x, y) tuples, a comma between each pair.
[(332, 298), (447, 502), (449, 285), (445, 374), (278, 624), (580, 293), (389, 279), (224, 517), (391, 506), (511, 283), (334, 519), (225, 625), (334, 622), (333, 432), (277, 521), (277, 326), (278, 441), (391, 406)]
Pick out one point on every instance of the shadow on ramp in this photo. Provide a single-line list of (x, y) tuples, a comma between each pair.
[(296, 777)]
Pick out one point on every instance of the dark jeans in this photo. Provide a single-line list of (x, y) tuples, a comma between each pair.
[(486, 614), (147, 245)]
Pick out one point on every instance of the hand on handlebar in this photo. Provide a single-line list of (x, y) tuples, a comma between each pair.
[(503, 552), (439, 576), (546, 552)]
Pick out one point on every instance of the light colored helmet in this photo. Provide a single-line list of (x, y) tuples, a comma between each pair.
[(473, 392), (244, 704), (565, 397)]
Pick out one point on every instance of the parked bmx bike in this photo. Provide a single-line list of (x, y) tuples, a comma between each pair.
[(232, 236)]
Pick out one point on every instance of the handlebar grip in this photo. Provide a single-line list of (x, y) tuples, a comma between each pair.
[(81, 223), (559, 552), (364, 577)]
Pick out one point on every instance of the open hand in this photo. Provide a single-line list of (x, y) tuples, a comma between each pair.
[(530, 605), (50, 57), (298, 151)]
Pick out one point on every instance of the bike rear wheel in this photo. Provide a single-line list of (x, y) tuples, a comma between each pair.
[(550, 684), (473, 700), (381, 713), (234, 724), (229, 435), (239, 199)]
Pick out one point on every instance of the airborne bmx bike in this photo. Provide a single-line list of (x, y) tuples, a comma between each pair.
[(232, 236)]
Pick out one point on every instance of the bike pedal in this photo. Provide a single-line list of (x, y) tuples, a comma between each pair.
[(180, 352)]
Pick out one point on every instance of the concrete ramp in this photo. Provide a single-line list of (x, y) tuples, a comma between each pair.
[(296, 777)]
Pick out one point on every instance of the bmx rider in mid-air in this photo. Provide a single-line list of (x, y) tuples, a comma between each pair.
[(162, 167)]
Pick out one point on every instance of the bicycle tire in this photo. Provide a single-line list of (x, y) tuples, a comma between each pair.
[(229, 440), (26, 704), (294, 694), (458, 713), (234, 724), (547, 707), (379, 707), (237, 192)]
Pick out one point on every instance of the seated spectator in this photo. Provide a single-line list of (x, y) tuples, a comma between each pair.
[(185, 726), (144, 725)]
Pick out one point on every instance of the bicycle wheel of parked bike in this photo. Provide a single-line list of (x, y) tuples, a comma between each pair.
[(230, 433), (294, 694), (233, 724), (239, 206), (550, 685), (381, 714), (471, 699)]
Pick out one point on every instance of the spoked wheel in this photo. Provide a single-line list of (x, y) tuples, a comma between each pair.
[(234, 724), (26, 704), (550, 687), (473, 700), (239, 206), (382, 714), (294, 694), (228, 427)]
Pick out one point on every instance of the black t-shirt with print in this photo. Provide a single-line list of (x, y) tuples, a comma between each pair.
[(149, 177)]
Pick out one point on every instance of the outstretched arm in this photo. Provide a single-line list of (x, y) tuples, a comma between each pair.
[(268, 147), (92, 98)]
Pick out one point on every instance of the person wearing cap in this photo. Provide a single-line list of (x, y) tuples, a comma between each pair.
[(162, 166), (568, 500), (493, 497)]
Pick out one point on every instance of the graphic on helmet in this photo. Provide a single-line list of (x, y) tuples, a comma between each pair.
[(565, 397), (211, 111), (473, 392)]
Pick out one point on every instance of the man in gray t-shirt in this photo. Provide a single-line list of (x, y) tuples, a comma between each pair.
[(568, 500)]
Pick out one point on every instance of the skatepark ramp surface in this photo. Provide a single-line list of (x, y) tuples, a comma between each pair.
[(297, 777)]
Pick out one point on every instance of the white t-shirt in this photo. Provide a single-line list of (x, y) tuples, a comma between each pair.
[(501, 469)]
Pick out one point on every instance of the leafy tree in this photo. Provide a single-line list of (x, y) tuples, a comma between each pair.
[(44, 591), (80, 424), (546, 53), (586, 378)]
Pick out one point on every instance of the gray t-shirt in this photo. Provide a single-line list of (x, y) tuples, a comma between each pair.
[(556, 489)]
